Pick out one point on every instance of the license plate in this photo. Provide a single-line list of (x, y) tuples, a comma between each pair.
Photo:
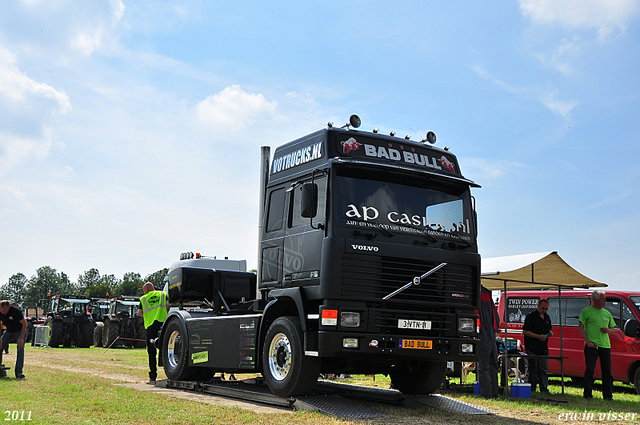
[(418, 344), (414, 324)]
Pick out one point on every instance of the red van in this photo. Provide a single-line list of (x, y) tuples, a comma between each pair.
[(625, 343)]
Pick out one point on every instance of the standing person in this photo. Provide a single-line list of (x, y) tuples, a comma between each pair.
[(488, 361), (595, 325), (537, 331), (16, 325), (154, 307)]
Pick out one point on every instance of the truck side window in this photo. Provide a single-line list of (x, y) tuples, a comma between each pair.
[(571, 309), (296, 218), (276, 210)]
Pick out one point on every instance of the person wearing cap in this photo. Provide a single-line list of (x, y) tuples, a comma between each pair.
[(154, 307), (16, 324)]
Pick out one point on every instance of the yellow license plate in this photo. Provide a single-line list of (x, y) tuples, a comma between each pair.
[(418, 344)]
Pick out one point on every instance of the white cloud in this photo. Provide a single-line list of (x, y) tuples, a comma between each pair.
[(558, 107), (482, 169), (233, 108), (602, 15), (548, 97), (26, 108)]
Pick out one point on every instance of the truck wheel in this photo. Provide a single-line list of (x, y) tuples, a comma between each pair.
[(175, 352), (110, 333), (418, 377), (97, 334), (56, 334), (285, 367), (636, 380)]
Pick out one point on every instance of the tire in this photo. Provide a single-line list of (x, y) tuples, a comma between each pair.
[(56, 332), (175, 353), (141, 335), (285, 367), (97, 334), (110, 333), (86, 334), (636, 380), (418, 377)]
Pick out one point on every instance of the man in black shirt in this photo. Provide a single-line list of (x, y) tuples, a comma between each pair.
[(16, 325), (537, 330)]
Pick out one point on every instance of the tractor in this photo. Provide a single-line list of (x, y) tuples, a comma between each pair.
[(99, 309), (122, 324), (70, 322)]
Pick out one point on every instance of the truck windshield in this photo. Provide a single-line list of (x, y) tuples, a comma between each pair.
[(404, 205)]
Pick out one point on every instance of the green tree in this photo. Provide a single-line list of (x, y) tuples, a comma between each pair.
[(157, 278), (131, 284), (15, 289), (47, 281), (101, 290), (88, 279)]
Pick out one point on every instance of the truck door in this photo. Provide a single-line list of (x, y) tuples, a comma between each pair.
[(303, 240), (272, 240)]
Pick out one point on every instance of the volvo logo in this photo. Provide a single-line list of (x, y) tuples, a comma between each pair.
[(365, 248)]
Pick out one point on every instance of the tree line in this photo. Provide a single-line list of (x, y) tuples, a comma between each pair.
[(47, 281)]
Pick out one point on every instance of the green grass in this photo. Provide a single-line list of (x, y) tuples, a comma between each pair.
[(76, 386)]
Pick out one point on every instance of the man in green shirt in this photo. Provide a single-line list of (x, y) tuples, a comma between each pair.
[(595, 325)]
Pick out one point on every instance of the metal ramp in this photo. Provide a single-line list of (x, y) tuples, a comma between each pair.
[(331, 398), (451, 404)]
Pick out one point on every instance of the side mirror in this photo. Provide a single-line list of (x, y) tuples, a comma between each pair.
[(631, 328), (309, 199)]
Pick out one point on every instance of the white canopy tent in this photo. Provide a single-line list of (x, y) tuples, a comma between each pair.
[(544, 270)]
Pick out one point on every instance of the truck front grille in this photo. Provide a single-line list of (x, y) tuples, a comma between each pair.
[(370, 278)]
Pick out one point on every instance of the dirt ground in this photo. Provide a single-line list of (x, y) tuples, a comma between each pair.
[(110, 365)]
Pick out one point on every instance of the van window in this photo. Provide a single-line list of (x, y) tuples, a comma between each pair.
[(619, 310), (519, 307), (276, 209), (571, 309), (636, 301)]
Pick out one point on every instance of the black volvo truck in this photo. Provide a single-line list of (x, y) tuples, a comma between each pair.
[(368, 264)]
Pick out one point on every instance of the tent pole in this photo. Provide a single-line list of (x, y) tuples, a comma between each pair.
[(505, 361), (561, 351)]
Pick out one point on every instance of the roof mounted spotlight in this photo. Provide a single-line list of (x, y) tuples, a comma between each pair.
[(446, 148), (393, 133), (407, 137), (330, 124), (354, 121), (431, 137), (375, 131)]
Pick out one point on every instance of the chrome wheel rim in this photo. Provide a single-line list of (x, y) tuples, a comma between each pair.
[(280, 356)]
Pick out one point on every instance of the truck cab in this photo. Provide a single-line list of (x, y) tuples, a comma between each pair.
[(368, 263)]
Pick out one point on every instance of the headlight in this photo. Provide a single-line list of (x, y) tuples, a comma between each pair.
[(467, 348), (466, 324), (350, 343), (349, 319)]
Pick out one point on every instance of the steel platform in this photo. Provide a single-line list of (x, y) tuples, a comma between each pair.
[(331, 398)]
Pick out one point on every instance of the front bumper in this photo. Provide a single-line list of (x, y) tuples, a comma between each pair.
[(377, 346)]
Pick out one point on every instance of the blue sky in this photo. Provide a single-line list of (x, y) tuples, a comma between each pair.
[(130, 131)]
